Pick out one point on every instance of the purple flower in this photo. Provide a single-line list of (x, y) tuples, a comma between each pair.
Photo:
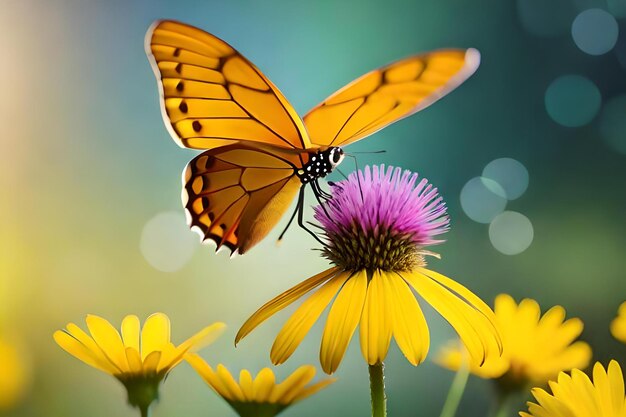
[(381, 219)]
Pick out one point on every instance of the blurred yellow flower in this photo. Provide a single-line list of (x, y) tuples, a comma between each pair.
[(14, 373), (577, 396), (140, 358), (618, 325), (261, 396), (536, 348)]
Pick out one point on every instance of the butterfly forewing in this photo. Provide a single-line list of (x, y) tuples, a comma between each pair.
[(388, 94), (212, 96), (235, 195)]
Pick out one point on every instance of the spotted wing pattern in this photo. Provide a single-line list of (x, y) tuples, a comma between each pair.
[(212, 96), (388, 94), (235, 195)]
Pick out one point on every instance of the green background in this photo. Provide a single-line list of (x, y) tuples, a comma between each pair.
[(86, 162)]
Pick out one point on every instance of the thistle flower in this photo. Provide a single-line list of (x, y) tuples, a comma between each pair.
[(260, 396), (140, 358), (577, 396), (535, 348), (377, 226)]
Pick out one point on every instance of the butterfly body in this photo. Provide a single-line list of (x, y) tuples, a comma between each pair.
[(320, 164), (258, 154)]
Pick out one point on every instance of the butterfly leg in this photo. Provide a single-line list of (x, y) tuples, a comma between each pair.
[(317, 189), (300, 212)]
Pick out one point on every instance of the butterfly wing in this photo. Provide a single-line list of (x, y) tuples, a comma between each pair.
[(236, 194), (212, 96), (388, 94)]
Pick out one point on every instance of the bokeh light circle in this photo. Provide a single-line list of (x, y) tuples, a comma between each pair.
[(167, 243), (572, 100), (510, 174), (511, 233), (482, 199), (546, 18), (595, 31), (613, 123)]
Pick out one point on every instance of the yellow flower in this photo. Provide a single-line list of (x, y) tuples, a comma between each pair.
[(536, 348), (140, 358), (577, 396), (377, 227), (261, 396), (618, 325), (14, 373)]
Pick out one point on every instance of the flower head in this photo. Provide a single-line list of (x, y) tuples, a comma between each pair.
[(618, 325), (260, 396), (577, 396), (535, 348), (376, 241), (140, 358), (382, 219)]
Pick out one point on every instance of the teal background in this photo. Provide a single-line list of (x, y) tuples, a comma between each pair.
[(86, 161)]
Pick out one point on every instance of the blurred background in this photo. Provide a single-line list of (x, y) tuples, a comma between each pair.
[(530, 155)]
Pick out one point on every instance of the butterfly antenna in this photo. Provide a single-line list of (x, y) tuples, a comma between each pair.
[(366, 152), (358, 175), (341, 173)]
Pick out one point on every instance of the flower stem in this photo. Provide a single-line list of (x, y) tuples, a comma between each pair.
[(456, 392), (145, 411), (377, 390), (503, 406)]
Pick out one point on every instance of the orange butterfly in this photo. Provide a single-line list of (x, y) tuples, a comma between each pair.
[(258, 152)]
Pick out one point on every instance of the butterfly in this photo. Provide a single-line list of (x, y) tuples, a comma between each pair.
[(258, 153)]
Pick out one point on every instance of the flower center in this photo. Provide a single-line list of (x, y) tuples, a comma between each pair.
[(382, 248)]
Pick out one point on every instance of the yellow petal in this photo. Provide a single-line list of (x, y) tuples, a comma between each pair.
[(155, 334), (264, 385), (409, 324), (207, 373), (91, 344), (301, 321), (203, 338), (134, 360), (170, 357), (195, 343), (375, 325), (283, 300), (312, 389), (342, 320), (245, 382), (130, 332), (229, 383), (151, 362), (75, 348), (616, 383), (475, 329), (109, 340), (285, 392), (469, 296)]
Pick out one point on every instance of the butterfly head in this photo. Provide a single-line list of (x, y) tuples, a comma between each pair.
[(335, 156)]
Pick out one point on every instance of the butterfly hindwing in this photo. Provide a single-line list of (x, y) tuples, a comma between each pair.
[(235, 195), (388, 94), (212, 96)]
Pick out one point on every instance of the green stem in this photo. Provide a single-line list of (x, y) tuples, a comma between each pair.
[(503, 406), (145, 411), (456, 392), (377, 390)]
